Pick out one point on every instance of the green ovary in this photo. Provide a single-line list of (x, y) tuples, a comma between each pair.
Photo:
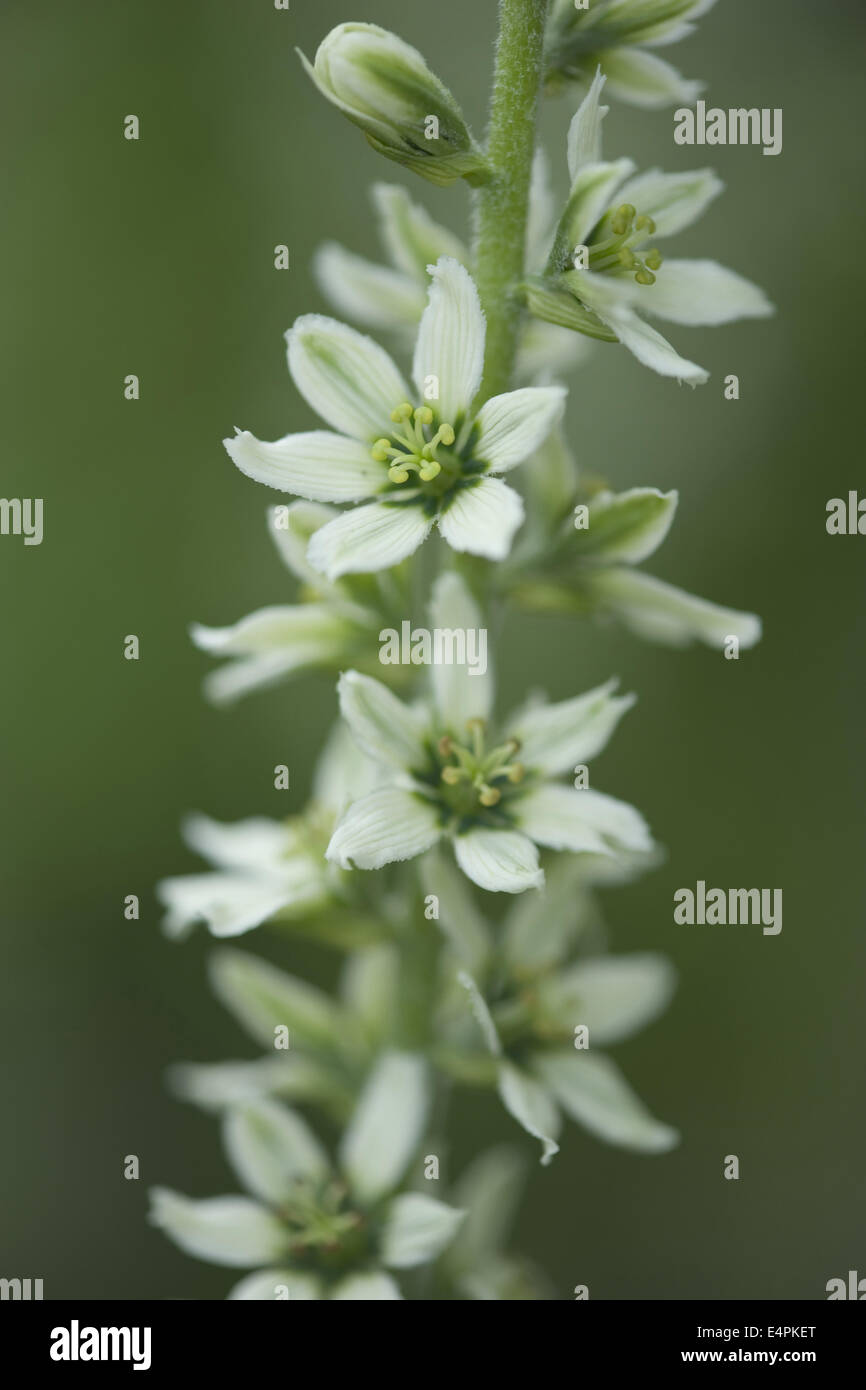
[(471, 777)]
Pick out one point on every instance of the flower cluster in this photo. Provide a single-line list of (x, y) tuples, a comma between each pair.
[(450, 848)]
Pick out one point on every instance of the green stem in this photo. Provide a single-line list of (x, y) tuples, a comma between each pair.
[(503, 202)]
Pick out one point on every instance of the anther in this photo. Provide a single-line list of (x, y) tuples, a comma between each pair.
[(622, 219), (653, 259), (489, 796), (401, 412)]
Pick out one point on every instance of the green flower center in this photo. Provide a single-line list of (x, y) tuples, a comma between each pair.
[(412, 448), (325, 1234), (619, 231), (472, 777)]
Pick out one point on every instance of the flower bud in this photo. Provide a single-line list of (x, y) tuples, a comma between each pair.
[(384, 86)]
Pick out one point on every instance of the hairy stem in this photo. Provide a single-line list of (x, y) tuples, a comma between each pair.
[(503, 202)]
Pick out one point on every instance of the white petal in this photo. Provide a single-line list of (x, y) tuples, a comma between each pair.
[(262, 998), (271, 1148), (387, 1125), (462, 692), (514, 425), (593, 1091), (582, 821), (253, 843), (368, 538), (674, 201), (546, 815), (704, 292), (370, 988), (347, 378), (482, 519), (224, 1230), (673, 29), (238, 678), (645, 80), (591, 195), (648, 346), (531, 1107), (450, 344), (663, 613), (540, 928), (232, 903), (277, 1284), (274, 642), (367, 1288), (290, 528), (489, 1191), (502, 861), (412, 238), (584, 132), (614, 996), (320, 466), (371, 294), (627, 526), (384, 827), (216, 1085), (654, 351), (385, 728), (459, 919), (306, 629), (554, 738), (343, 772), (481, 1013), (541, 218), (417, 1229)]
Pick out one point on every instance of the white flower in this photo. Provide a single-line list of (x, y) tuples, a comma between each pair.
[(393, 296), (591, 568), (332, 627), (530, 1026), (384, 86), (317, 1232), (615, 35), (614, 217), (428, 463), (264, 868), (333, 1043), (497, 800)]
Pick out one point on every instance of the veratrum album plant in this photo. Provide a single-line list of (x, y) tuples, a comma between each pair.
[(451, 847)]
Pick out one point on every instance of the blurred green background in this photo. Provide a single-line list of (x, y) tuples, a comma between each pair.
[(156, 258)]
